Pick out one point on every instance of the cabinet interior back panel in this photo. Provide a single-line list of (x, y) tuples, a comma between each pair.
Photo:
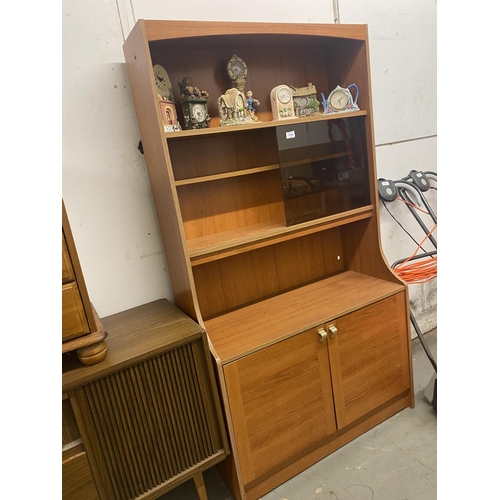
[(268, 66), (226, 204), (267, 271), (219, 154)]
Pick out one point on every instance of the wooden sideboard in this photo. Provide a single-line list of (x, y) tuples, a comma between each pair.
[(146, 418)]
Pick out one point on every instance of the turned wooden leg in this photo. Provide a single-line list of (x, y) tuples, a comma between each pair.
[(92, 354), (200, 486)]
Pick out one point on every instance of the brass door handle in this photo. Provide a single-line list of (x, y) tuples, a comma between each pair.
[(322, 334), (333, 330)]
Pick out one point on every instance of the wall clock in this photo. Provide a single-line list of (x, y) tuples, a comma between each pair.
[(340, 100), (282, 102)]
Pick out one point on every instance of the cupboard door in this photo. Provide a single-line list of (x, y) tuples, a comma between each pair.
[(281, 401), (369, 358)]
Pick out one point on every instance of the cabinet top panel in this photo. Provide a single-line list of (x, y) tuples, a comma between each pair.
[(134, 335), (243, 331), (163, 30)]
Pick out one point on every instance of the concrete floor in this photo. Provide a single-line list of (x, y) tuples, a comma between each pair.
[(397, 460)]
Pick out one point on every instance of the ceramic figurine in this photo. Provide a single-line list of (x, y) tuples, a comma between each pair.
[(233, 108), (251, 103)]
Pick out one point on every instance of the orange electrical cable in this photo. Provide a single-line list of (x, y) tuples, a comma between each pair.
[(412, 205), (418, 271)]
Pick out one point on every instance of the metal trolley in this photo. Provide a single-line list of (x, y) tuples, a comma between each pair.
[(421, 266)]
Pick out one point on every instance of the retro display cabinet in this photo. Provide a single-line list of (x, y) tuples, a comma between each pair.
[(271, 235)]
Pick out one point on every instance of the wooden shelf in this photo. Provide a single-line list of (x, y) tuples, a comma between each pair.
[(249, 329), (315, 158), (221, 245), (226, 175), (268, 124)]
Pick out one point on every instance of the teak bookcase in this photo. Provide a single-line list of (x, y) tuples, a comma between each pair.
[(308, 326)]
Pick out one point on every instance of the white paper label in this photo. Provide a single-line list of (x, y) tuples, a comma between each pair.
[(290, 135)]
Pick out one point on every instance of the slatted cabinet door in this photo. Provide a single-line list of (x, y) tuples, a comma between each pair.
[(148, 423), (281, 397), (369, 358)]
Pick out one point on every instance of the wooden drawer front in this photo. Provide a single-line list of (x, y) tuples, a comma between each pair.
[(281, 402), (74, 321), (77, 481), (67, 268)]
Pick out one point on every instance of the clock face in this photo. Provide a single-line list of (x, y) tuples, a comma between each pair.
[(163, 85), (236, 68), (199, 113), (239, 102), (284, 95), (339, 99), (303, 101)]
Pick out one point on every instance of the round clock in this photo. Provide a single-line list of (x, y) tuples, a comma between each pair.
[(340, 99), (198, 112), (163, 85), (236, 68), (239, 104), (284, 95)]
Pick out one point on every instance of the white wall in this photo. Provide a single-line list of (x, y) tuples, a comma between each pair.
[(105, 185)]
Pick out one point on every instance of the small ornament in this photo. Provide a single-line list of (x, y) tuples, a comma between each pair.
[(340, 100), (282, 103), (194, 104), (233, 108), (168, 115), (166, 99), (251, 103), (305, 102)]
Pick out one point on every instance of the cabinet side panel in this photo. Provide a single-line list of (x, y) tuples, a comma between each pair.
[(140, 74)]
